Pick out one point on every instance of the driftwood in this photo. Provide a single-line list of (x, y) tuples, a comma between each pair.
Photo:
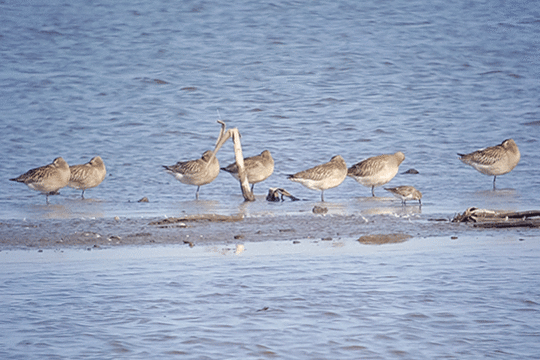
[(242, 174), (483, 218)]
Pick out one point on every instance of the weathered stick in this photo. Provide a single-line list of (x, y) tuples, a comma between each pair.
[(483, 215), (509, 224), (222, 138), (483, 218), (242, 174), (523, 214)]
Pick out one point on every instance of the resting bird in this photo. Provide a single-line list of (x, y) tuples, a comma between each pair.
[(258, 168), (47, 179), (496, 160), (376, 171), (322, 177), (196, 172), (87, 176)]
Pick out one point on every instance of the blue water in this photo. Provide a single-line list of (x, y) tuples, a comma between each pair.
[(79, 79), (435, 298), (142, 84)]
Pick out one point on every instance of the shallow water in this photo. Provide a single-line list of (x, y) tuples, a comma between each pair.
[(142, 85), (426, 298)]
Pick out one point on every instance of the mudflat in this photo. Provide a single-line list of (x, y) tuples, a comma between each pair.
[(207, 229)]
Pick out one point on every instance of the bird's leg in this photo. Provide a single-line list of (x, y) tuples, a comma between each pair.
[(494, 178), (197, 193), (82, 195), (373, 191), (322, 195)]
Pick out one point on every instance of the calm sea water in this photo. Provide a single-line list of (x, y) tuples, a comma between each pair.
[(432, 298), (142, 84)]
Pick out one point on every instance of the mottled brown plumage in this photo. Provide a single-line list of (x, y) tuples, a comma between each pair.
[(258, 168), (47, 179), (87, 176), (197, 172), (322, 177), (495, 160), (406, 193), (377, 170)]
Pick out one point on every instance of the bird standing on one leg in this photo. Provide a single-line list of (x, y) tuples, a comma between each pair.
[(377, 170), (495, 160), (197, 172), (47, 179), (322, 177), (87, 176)]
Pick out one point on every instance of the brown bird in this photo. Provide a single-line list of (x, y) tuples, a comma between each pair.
[(377, 170), (496, 160), (47, 179), (87, 175), (197, 172), (258, 168), (406, 193), (322, 177)]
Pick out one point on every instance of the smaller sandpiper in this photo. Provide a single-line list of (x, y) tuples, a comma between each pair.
[(406, 193), (47, 179), (87, 176), (495, 160), (258, 168), (377, 170), (197, 172), (322, 177)]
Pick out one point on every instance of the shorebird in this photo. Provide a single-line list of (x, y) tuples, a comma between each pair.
[(197, 172), (258, 168), (496, 160), (87, 175), (322, 177), (406, 193), (377, 170), (47, 179)]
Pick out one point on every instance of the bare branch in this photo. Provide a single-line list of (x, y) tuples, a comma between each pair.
[(222, 131), (222, 138), (242, 174)]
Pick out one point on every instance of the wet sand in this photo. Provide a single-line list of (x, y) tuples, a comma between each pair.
[(215, 229)]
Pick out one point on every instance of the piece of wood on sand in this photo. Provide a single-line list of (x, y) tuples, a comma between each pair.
[(483, 218), (225, 135)]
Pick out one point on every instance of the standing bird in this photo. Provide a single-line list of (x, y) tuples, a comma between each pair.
[(406, 193), (258, 168), (496, 160), (47, 179), (196, 172), (322, 177), (377, 170), (87, 175)]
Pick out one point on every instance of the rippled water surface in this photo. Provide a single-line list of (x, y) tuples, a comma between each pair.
[(423, 299), (141, 84)]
